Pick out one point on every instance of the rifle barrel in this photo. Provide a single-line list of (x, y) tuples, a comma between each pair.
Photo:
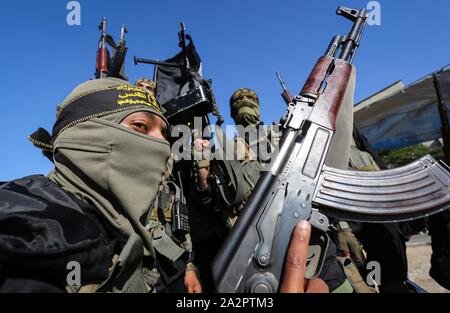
[(154, 62), (352, 40)]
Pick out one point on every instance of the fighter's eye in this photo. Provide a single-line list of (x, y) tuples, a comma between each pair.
[(140, 127)]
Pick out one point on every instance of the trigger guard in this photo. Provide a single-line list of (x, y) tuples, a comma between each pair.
[(317, 252)]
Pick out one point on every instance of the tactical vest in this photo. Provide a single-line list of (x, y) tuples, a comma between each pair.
[(253, 162), (168, 221)]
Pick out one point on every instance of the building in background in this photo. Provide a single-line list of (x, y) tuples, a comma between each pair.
[(400, 116)]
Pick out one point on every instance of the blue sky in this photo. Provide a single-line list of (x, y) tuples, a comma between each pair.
[(242, 44)]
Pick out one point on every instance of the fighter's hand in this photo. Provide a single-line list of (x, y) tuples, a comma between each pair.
[(203, 174), (191, 282), (200, 146), (295, 264), (350, 246)]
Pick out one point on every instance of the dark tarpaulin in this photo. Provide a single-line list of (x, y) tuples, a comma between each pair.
[(172, 80)]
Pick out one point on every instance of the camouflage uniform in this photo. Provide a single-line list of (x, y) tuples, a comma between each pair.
[(251, 150)]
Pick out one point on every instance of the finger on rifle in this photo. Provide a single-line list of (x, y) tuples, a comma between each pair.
[(295, 262)]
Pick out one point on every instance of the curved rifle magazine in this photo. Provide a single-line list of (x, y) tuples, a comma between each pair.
[(410, 192)]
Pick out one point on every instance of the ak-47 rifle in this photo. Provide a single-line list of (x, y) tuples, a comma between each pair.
[(103, 59), (299, 186), (105, 65)]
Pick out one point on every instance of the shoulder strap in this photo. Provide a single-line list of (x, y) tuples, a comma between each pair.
[(127, 275), (164, 244), (234, 170)]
